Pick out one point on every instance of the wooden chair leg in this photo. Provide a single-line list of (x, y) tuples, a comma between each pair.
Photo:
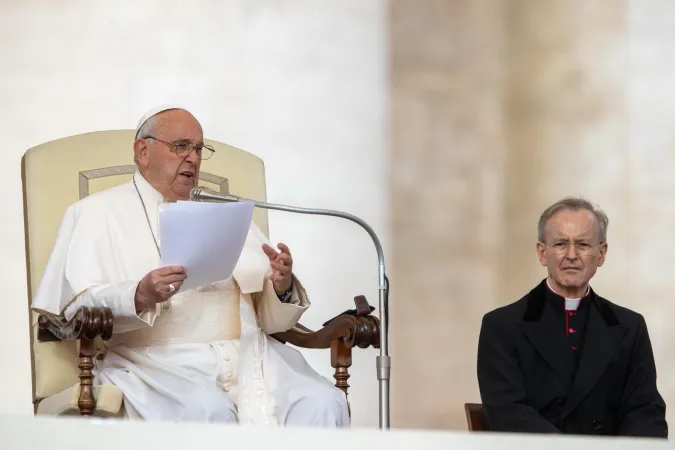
[(86, 402), (341, 360)]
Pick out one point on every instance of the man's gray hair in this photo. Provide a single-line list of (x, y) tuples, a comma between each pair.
[(574, 204), (147, 129)]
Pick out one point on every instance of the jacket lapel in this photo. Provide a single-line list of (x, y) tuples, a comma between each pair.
[(545, 332), (603, 335)]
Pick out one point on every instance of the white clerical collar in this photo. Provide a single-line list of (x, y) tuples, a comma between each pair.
[(146, 190), (571, 304)]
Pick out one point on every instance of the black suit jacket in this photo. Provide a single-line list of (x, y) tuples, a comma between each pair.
[(530, 383)]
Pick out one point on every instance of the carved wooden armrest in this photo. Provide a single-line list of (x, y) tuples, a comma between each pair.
[(353, 328), (86, 325)]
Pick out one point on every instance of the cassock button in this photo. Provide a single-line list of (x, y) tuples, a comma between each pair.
[(572, 330), (597, 424)]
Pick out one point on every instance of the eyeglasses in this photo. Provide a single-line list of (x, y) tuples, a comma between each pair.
[(184, 148), (563, 247)]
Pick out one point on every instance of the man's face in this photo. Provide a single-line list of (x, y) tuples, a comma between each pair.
[(571, 250), (171, 173)]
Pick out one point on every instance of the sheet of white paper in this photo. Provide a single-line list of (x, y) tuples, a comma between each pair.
[(205, 238)]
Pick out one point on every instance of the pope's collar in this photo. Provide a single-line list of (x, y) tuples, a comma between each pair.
[(146, 190)]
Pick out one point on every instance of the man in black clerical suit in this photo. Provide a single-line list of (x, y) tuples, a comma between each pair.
[(562, 359)]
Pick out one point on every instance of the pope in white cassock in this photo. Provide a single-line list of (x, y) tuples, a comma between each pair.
[(198, 355)]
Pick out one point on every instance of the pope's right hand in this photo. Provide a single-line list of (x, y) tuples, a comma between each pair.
[(158, 286)]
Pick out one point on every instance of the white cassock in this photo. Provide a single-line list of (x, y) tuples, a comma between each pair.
[(208, 358)]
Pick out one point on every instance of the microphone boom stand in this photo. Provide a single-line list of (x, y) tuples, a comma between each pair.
[(383, 361)]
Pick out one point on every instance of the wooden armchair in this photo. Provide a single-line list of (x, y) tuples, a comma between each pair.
[(58, 173), (475, 417)]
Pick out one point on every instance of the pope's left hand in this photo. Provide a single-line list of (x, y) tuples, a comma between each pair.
[(282, 267)]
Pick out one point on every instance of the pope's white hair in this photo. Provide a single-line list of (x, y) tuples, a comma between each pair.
[(148, 129)]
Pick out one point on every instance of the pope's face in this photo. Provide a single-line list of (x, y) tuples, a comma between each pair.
[(168, 160), (572, 251)]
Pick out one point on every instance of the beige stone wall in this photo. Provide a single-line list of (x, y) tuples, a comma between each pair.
[(498, 109)]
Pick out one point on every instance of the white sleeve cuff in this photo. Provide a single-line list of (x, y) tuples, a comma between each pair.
[(120, 299)]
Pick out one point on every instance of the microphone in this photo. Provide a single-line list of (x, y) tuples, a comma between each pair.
[(383, 361)]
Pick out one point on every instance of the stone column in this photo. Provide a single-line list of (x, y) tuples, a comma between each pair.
[(447, 144), (567, 133)]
